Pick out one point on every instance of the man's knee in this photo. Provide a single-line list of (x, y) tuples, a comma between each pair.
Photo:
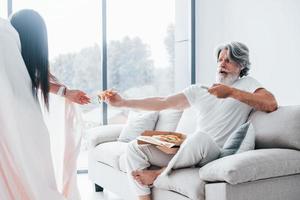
[(199, 139), (209, 148), (202, 143), (134, 150), (131, 147)]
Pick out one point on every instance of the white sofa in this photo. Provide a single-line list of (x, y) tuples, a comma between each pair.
[(270, 172)]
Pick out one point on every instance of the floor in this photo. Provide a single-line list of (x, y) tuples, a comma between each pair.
[(87, 192)]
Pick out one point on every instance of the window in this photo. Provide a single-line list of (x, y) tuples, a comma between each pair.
[(3, 9), (141, 42), (75, 59), (140, 51)]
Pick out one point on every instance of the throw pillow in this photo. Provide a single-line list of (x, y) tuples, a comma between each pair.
[(168, 120), (242, 139), (137, 123)]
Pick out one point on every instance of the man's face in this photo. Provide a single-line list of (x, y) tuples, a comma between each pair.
[(228, 71)]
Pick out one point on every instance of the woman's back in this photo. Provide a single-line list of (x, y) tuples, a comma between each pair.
[(26, 168)]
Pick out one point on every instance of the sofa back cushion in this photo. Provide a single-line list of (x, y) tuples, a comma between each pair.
[(137, 123), (187, 123), (278, 129), (168, 120)]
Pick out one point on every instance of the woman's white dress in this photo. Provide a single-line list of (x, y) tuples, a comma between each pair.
[(26, 168)]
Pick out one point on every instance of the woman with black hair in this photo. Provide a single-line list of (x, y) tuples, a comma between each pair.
[(26, 167), (34, 48)]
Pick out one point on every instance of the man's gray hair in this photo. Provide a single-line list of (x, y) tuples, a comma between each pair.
[(239, 53)]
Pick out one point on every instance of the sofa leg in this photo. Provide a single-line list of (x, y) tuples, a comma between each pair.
[(98, 188)]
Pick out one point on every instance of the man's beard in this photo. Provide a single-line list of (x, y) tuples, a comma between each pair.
[(227, 79)]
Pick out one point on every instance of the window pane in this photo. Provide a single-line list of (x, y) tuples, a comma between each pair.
[(74, 36), (3, 9), (140, 49)]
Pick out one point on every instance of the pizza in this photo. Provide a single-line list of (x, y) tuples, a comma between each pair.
[(107, 93), (169, 138)]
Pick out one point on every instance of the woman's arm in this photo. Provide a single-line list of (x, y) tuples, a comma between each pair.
[(54, 84), (75, 96)]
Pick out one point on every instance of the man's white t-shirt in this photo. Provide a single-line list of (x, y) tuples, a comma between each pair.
[(220, 117)]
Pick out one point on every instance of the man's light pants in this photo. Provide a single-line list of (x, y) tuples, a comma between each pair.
[(197, 150)]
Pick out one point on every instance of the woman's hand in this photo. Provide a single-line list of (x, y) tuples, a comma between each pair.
[(77, 96)]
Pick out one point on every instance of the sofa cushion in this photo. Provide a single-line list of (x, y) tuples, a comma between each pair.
[(109, 153), (101, 134), (137, 123), (168, 120), (241, 140), (252, 165), (184, 181), (279, 129), (187, 123)]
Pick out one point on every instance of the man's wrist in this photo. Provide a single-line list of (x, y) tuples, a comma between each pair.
[(234, 93), (124, 103)]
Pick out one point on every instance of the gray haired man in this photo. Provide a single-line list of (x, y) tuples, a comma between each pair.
[(228, 103)]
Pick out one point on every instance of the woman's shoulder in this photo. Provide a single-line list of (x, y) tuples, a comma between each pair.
[(7, 30)]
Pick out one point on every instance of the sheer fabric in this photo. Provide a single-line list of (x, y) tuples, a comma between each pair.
[(26, 167)]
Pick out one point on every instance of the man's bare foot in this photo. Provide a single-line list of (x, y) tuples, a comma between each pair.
[(146, 197), (146, 177)]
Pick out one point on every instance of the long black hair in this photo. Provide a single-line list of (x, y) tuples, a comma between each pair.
[(34, 44)]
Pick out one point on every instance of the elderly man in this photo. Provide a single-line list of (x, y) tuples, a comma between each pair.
[(221, 109)]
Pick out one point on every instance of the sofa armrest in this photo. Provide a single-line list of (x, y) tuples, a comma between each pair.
[(102, 134), (252, 165)]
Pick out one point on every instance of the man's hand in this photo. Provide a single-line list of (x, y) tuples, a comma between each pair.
[(221, 91), (77, 96), (261, 99), (112, 98)]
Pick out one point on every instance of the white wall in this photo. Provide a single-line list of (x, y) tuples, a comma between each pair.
[(271, 30)]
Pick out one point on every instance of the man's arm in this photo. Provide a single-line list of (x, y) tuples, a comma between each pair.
[(177, 101), (261, 99)]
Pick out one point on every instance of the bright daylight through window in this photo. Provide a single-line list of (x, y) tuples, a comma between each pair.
[(75, 59), (140, 42), (140, 35), (3, 9)]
